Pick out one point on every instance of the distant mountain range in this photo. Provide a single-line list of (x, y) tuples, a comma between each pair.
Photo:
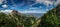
[(35, 14), (11, 11)]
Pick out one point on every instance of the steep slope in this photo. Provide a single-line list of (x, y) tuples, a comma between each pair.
[(51, 18), (16, 19)]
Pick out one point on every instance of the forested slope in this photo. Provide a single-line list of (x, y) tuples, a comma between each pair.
[(51, 18)]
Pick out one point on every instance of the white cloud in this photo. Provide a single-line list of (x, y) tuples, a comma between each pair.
[(5, 1), (41, 0), (57, 2), (4, 6), (26, 11), (37, 0), (41, 7), (34, 8), (48, 2), (6, 11), (1, 1)]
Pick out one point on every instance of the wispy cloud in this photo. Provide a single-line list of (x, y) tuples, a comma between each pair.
[(26, 11), (4, 6), (1, 1), (6, 11), (57, 2)]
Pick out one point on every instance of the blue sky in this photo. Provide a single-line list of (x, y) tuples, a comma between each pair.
[(28, 6)]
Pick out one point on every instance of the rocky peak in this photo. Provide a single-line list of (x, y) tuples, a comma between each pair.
[(13, 12)]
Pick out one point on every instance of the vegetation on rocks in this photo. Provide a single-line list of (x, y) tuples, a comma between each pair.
[(16, 19)]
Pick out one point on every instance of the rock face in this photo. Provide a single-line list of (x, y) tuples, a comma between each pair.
[(51, 18), (16, 19), (14, 12), (10, 11)]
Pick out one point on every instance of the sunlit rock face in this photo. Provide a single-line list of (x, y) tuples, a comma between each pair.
[(12, 12)]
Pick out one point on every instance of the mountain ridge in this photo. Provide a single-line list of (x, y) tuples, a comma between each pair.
[(51, 18)]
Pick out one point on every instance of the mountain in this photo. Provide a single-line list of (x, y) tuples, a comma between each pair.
[(51, 18), (15, 19), (16, 12), (35, 14)]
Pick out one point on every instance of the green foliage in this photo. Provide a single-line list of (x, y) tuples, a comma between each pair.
[(51, 19), (15, 19), (6, 22)]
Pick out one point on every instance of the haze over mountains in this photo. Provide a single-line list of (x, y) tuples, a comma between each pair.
[(10, 11), (16, 19)]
